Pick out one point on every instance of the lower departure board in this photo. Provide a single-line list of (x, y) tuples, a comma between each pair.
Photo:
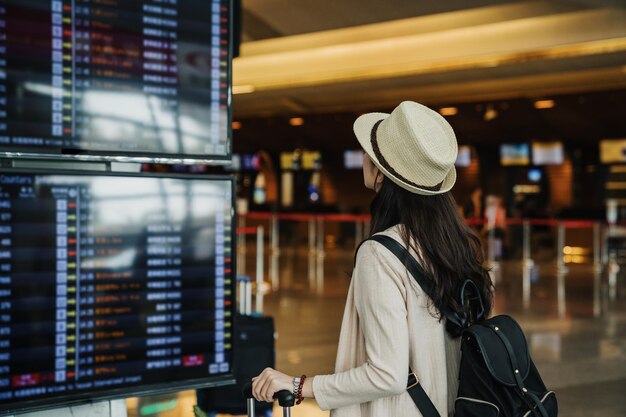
[(112, 286)]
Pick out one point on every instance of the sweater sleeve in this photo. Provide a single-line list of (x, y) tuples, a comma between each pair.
[(382, 314)]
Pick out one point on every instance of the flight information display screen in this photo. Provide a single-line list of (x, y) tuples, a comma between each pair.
[(133, 78), (112, 286)]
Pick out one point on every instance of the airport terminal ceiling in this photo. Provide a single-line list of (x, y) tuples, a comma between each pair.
[(301, 58), (266, 19)]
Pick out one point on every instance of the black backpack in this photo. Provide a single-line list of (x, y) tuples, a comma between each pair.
[(497, 376)]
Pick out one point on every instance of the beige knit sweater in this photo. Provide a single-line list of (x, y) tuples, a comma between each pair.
[(386, 327)]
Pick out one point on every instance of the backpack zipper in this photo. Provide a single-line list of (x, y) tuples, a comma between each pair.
[(474, 400)]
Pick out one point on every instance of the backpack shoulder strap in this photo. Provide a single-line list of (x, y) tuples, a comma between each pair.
[(414, 388), (409, 261), (416, 270)]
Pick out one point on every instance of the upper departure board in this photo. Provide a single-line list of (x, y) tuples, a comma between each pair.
[(145, 79)]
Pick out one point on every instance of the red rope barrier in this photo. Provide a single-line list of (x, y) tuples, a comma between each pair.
[(308, 216), (351, 218), (246, 231), (578, 224)]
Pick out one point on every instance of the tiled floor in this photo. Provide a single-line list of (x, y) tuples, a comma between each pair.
[(578, 343)]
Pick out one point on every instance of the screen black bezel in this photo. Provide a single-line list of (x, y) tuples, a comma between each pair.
[(151, 389), (69, 154)]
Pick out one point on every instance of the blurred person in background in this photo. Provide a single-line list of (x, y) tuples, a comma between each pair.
[(495, 226), (389, 323)]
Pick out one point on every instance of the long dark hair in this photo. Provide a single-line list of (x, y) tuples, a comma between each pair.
[(449, 250)]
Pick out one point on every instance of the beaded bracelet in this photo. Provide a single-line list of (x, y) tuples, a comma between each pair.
[(299, 397)]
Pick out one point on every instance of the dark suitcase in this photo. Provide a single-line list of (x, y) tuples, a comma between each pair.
[(253, 351)]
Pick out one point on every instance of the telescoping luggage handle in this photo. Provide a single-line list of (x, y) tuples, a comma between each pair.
[(285, 399), (245, 294)]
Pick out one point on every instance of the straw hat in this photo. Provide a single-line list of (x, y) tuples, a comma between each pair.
[(414, 146)]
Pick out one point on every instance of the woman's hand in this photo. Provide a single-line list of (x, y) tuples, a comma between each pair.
[(269, 382)]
